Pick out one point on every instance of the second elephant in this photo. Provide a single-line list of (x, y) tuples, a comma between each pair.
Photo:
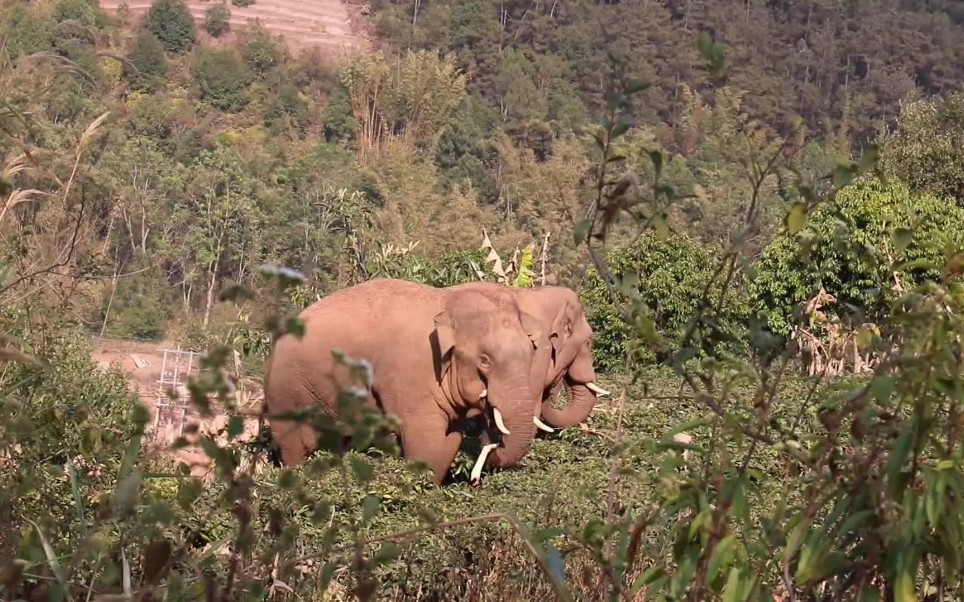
[(566, 360)]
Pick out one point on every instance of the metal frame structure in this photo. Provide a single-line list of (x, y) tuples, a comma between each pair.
[(176, 367)]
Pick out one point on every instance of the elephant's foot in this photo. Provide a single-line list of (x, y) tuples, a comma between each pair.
[(483, 455)]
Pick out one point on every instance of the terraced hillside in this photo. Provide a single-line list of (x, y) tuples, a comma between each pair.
[(328, 25)]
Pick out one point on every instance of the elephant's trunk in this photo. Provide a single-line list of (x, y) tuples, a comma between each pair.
[(514, 401), (581, 402)]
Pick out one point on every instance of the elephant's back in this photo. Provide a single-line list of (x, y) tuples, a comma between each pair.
[(380, 297)]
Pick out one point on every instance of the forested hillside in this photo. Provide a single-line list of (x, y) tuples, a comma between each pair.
[(759, 204)]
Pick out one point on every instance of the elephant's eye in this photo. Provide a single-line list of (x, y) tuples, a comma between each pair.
[(484, 362)]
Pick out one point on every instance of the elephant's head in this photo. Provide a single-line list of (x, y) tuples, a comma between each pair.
[(486, 349), (570, 361)]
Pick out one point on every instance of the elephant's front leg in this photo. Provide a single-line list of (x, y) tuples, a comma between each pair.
[(426, 438)]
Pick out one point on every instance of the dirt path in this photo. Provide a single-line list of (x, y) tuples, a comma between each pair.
[(331, 26)]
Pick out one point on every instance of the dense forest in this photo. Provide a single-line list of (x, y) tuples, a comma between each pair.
[(760, 204)]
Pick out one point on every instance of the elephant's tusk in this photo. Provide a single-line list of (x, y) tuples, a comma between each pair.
[(477, 469), (596, 389), (484, 393), (499, 423), (542, 425)]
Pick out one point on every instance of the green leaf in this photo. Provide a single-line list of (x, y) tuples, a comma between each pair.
[(362, 469), (524, 277), (796, 217), (903, 238), (78, 499), (721, 556), (733, 587), (656, 157), (55, 566), (882, 387), (661, 227), (898, 455), (621, 127), (581, 231), (370, 507), (843, 175), (235, 426), (904, 590)]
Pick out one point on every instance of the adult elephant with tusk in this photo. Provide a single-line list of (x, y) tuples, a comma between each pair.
[(436, 356), (566, 359)]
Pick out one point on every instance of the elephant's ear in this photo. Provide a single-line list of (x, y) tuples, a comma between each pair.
[(445, 334), (561, 328), (532, 327)]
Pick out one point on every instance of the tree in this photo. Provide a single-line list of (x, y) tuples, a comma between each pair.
[(259, 51), (172, 23), (222, 78), (927, 150), (874, 240), (147, 66), (216, 20)]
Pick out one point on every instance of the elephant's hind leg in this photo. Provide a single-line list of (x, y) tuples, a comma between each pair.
[(425, 438)]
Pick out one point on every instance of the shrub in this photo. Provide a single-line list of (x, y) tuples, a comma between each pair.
[(67, 415), (216, 20), (148, 65), (222, 78), (665, 282), (243, 3), (259, 51), (846, 247), (172, 23)]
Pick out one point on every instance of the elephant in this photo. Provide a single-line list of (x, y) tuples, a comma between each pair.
[(565, 361), (436, 356)]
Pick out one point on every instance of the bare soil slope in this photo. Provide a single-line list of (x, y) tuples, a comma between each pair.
[(330, 26)]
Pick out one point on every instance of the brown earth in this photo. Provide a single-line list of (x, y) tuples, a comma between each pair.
[(144, 362), (330, 26)]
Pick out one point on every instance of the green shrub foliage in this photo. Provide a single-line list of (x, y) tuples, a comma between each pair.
[(222, 78), (664, 282), (854, 246), (216, 20), (147, 66), (171, 22)]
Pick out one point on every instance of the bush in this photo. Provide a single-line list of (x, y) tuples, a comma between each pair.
[(846, 247), (172, 23), (216, 20), (665, 282), (223, 79), (243, 3), (259, 51), (69, 411), (148, 65)]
